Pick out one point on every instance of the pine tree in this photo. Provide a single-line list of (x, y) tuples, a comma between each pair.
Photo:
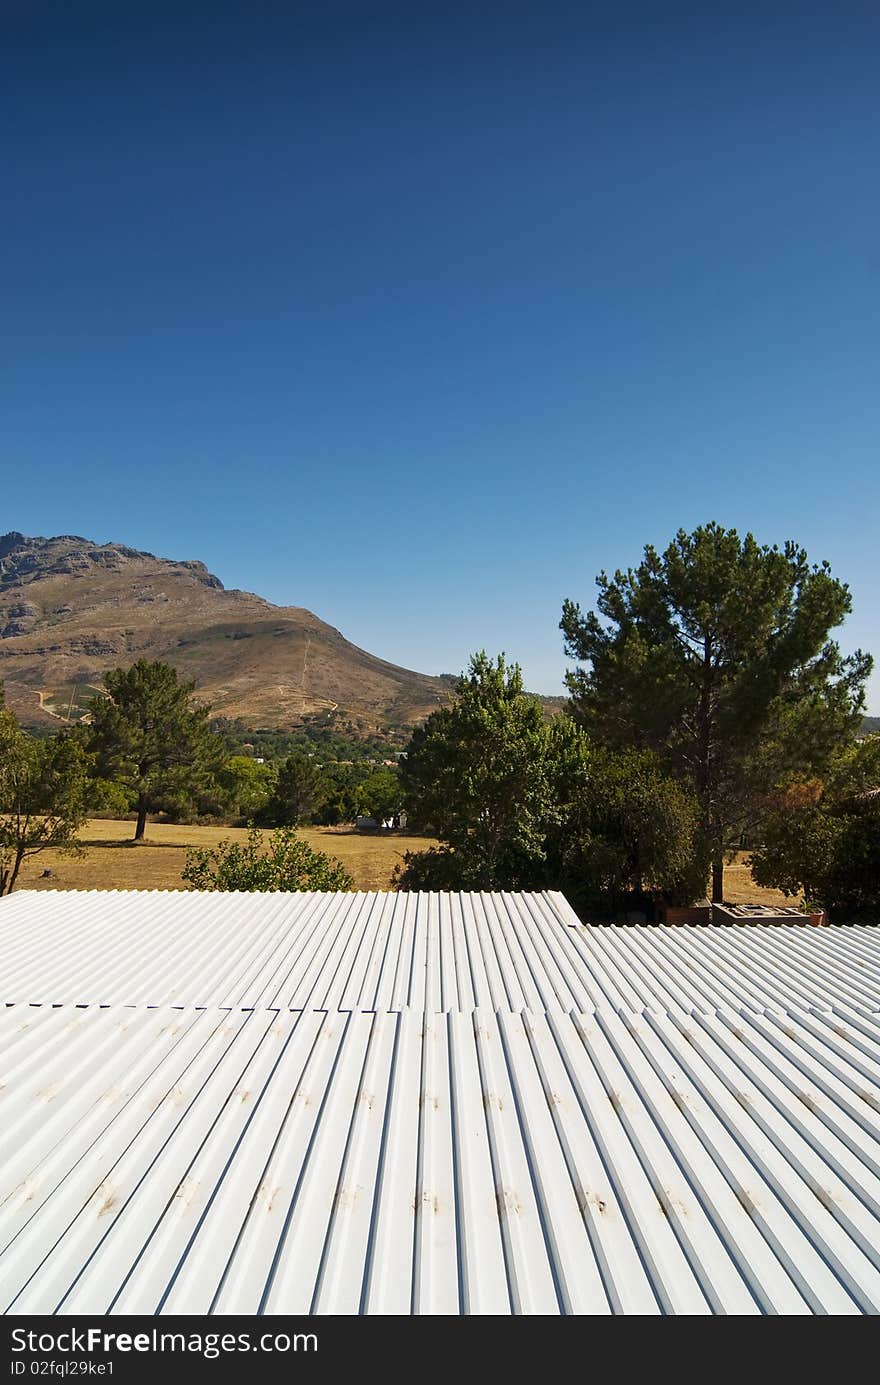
[(716, 654), (149, 735)]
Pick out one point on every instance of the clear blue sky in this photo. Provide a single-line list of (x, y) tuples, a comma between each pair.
[(420, 314)]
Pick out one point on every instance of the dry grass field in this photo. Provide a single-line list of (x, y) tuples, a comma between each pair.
[(740, 888), (113, 861)]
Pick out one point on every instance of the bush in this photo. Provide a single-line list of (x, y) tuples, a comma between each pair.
[(520, 805), (853, 885), (625, 831), (284, 863), (447, 868), (438, 868), (829, 851)]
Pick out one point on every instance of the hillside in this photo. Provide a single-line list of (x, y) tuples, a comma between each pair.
[(71, 608)]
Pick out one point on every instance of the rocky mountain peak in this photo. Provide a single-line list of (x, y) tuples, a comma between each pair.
[(26, 559), (70, 609)]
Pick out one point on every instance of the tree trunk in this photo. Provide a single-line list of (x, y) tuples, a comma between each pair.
[(718, 873), (11, 876), (141, 822)]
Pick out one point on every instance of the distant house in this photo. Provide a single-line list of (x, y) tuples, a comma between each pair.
[(368, 824)]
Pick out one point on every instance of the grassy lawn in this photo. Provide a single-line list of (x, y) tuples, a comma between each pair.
[(113, 860), (740, 888)]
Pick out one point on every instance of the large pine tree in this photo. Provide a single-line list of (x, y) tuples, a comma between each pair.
[(717, 654), (149, 735)]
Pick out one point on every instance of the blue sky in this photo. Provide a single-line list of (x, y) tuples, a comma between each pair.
[(420, 315)]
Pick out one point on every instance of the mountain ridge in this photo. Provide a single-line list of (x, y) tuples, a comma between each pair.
[(71, 608)]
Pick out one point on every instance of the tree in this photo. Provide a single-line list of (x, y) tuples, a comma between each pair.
[(624, 831), (247, 786), (716, 654), (285, 862), (830, 853), (476, 772), (43, 797), (149, 735), (823, 840), (380, 795), (852, 890), (342, 803), (299, 793), (523, 804)]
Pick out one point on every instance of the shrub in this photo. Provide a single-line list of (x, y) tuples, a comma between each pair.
[(831, 852), (519, 804), (284, 863), (853, 887), (625, 831)]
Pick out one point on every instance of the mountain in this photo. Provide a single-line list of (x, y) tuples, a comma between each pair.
[(70, 609)]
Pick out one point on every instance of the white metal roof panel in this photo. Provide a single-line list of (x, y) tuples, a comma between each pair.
[(349, 951), (432, 952), (180, 1160), (777, 967)]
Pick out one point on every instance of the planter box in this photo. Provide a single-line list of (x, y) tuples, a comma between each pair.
[(694, 913)]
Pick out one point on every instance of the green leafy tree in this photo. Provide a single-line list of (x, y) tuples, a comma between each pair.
[(625, 830), (300, 791), (854, 772), (107, 798), (823, 840), (798, 850), (380, 796), (284, 862), (150, 736), (343, 787), (476, 773), (43, 797), (247, 786), (717, 655), (830, 853), (607, 826)]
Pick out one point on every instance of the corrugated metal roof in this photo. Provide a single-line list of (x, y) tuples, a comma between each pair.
[(432, 1104), (176, 1160), (299, 951), (428, 951), (776, 967)]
